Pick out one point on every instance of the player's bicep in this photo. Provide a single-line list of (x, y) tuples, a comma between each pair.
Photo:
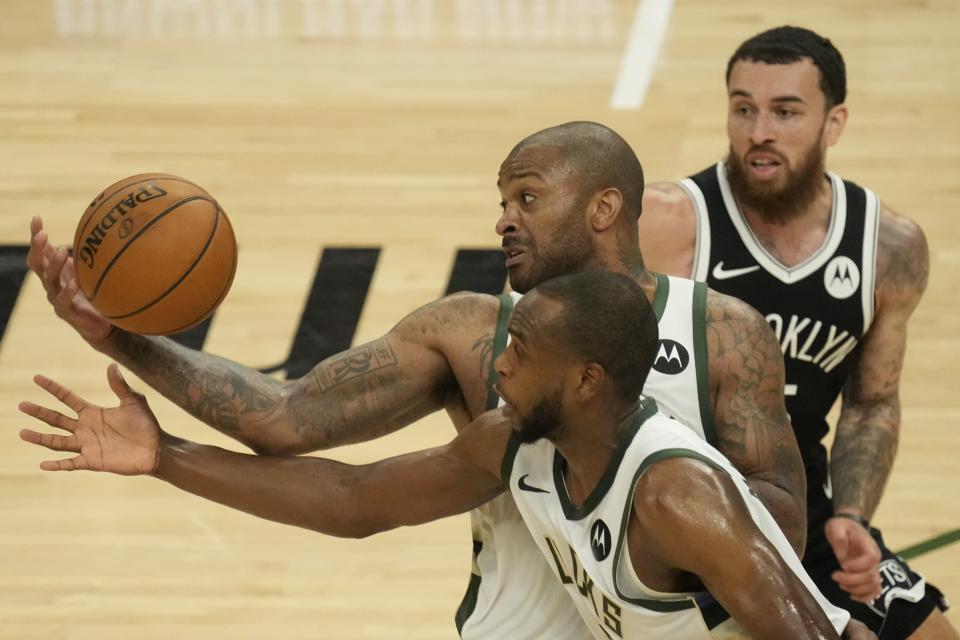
[(697, 521), (747, 372), (378, 387), (692, 515), (903, 267), (424, 486)]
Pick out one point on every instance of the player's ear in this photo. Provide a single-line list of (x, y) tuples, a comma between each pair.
[(606, 206), (592, 378), (833, 127)]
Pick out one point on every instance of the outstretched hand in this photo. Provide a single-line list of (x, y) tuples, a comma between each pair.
[(123, 439), (58, 274), (859, 558)]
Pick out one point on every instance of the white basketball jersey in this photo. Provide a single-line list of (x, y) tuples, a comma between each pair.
[(587, 545), (513, 593)]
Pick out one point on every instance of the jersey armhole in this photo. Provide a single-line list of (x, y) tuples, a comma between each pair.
[(682, 601), (499, 344), (701, 252), (509, 455), (702, 363)]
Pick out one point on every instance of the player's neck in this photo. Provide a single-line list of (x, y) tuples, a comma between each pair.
[(589, 444), (621, 254), (794, 238)]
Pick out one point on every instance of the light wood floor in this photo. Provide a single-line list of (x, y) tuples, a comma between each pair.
[(383, 123)]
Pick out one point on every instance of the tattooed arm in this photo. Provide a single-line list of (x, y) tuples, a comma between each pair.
[(354, 396), (869, 424), (753, 428)]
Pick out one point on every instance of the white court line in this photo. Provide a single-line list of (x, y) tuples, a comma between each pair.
[(650, 23)]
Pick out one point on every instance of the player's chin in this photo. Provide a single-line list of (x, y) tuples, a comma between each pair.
[(521, 279)]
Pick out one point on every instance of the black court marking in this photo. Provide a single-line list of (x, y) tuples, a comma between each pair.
[(479, 270), (930, 545), (194, 337), (333, 307), (13, 270)]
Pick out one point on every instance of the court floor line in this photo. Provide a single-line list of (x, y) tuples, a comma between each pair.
[(650, 22), (932, 544)]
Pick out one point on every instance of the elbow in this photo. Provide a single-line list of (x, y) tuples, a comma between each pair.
[(349, 527)]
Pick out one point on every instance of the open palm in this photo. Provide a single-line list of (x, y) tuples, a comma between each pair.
[(123, 439)]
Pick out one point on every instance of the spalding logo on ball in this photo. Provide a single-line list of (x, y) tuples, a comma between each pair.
[(155, 254)]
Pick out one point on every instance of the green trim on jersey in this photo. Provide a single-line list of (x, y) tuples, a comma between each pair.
[(700, 362), (666, 454), (648, 407), (509, 455), (660, 295), (683, 601), (469, 602), (499, 344)]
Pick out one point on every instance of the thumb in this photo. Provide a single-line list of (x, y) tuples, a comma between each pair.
[(839, 538), (117, 383)]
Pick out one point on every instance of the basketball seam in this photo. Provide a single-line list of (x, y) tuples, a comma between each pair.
[(196, 261), (86, 224), (143, 229), (223, 294)]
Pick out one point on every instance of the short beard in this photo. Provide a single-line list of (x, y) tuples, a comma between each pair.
[(569, 250), (543, 420), (779, 206)]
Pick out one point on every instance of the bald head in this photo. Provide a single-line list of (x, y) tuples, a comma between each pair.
[(597, 157)]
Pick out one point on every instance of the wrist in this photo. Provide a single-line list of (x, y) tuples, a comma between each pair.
[(162, 456), (104, 342), (854, 516)]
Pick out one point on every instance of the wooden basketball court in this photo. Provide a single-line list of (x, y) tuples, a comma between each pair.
[(380, 124)]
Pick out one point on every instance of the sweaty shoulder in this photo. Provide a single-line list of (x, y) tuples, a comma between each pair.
[(903, 260), (680, 491), (667, 229)]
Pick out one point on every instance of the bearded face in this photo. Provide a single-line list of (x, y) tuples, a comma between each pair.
[(543, 420), (789, 194)]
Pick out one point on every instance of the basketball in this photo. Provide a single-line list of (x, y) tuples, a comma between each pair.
[(155, 254)]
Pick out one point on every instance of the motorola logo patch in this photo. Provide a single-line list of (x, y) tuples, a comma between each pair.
[(600, 541), (672, 357), (841, 277)]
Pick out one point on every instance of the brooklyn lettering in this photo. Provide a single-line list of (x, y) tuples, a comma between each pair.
[(806, 340), (91, 244)]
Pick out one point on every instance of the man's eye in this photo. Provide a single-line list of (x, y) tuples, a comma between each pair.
[(503, 206), (528, 198)]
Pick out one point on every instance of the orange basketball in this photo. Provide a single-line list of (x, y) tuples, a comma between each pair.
[(155, 254)]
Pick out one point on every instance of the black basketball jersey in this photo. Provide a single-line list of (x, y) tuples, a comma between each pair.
[(819, 309)]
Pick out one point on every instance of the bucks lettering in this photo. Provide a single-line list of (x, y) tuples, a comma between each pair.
[(87, 251), (609, 613), (811, 341)]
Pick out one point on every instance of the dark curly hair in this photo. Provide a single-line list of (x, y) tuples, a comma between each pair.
[(785, 45)]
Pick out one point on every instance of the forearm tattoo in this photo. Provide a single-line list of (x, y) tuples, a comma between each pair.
[(215, 391)]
